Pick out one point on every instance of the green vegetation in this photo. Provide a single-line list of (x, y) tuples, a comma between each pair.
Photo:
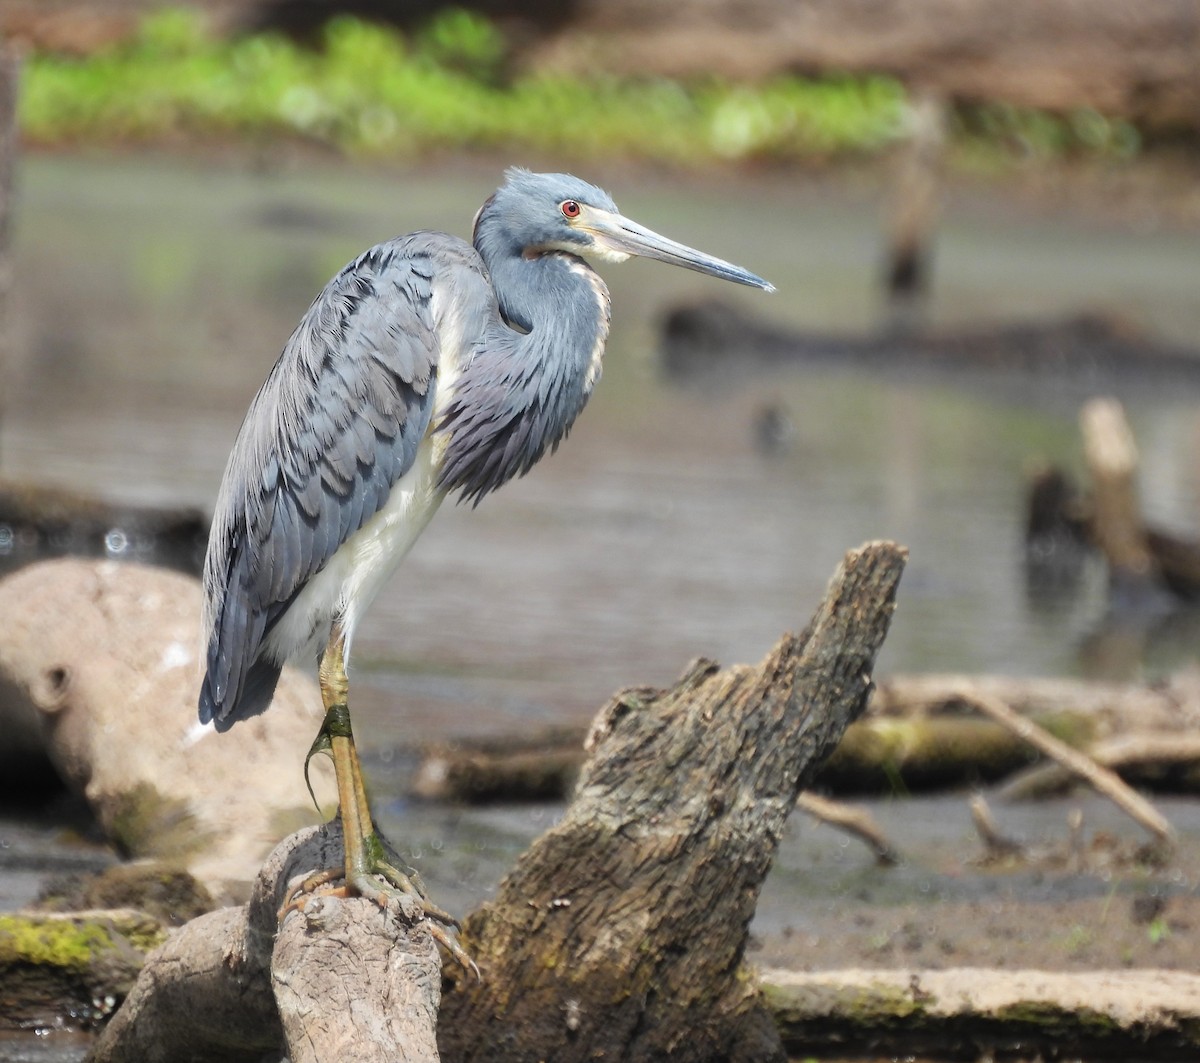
[(368, 90)]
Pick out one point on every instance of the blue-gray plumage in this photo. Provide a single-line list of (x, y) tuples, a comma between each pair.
[(484, 355), (427, 366)]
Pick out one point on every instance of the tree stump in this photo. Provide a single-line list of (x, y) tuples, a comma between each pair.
[(621, 932)]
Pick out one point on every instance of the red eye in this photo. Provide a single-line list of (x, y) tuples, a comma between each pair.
[(570, 209)]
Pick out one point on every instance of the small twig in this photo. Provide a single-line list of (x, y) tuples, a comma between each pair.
[(1106, 782), (1076, 845), (855, 821), (998, 845)]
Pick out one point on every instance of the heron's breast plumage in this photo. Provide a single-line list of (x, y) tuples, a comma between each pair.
[(522, 386)]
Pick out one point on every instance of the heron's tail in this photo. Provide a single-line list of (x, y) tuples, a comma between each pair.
[(258, 688)]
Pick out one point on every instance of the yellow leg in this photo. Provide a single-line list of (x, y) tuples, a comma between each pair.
[(352, 797), (366, 859)]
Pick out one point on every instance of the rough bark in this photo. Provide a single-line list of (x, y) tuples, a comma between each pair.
[(342, 979), (621, 931), (972, 1013)]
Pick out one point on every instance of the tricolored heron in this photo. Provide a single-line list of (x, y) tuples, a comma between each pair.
[(427, 366)]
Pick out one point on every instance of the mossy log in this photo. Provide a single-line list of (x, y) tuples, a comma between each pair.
[(70, 967), (974, 1013), (621, 932), (918, 733)]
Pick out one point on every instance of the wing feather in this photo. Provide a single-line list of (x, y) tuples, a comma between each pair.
[(337, 423)]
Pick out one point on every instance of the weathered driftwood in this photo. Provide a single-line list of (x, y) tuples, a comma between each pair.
[(1106, 782), (918, 730), (1163, 759), (620, 933), (716, 340), (971, 1013), (341, 979), (1112, 461), (98, 674)]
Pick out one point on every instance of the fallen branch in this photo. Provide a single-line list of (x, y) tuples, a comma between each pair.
[(1138, 756), (1103, 780), (856, 821)]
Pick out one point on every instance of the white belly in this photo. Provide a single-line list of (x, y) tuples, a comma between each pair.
[(363, 564)]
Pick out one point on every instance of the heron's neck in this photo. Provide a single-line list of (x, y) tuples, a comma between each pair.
[(528, 380), (561, 305)]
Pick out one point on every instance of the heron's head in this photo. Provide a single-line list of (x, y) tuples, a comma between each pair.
[(535, 213)]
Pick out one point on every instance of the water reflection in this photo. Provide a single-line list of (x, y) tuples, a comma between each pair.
[(153, 297)]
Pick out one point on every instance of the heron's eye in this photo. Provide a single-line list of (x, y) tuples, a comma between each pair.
[(569, 208)]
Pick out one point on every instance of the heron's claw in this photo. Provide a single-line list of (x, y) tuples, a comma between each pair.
[(397, 888), (451, 945), (312, 886)]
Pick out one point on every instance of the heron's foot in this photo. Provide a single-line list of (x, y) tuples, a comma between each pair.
[(387, 886)]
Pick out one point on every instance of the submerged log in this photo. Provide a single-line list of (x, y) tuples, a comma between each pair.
[(621, 932), (48, 522), (717, 340)]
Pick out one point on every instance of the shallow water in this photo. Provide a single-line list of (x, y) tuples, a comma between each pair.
[(152, 297)]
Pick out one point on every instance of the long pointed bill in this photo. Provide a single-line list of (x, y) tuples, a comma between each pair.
[(617, 235)]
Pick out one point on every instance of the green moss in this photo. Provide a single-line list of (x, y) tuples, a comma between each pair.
[(61, 943), (1050, 1018), (874, 1007), (144, 823)]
